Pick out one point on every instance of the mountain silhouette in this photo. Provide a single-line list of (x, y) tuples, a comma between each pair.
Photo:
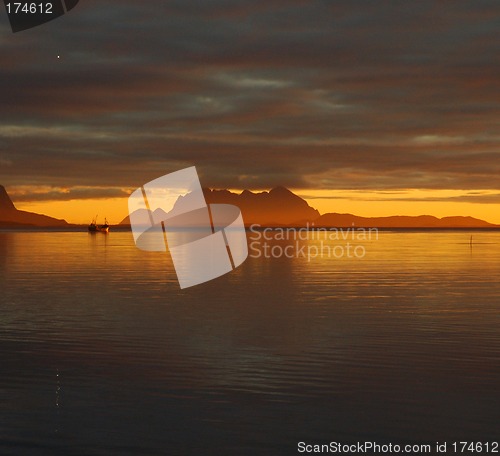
[(400, 221), (6, 204), (11, 217), (277, 207), (281, 207)]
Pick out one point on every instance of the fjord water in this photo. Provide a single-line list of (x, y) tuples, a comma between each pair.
[(102, 353)]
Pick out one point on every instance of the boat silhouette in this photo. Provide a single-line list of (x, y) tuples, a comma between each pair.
[(95, 228)]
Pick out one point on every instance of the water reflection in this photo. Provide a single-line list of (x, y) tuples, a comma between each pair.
[(401, 345), (4, 252)]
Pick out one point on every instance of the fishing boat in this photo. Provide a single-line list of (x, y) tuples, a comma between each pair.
[(95, 228)]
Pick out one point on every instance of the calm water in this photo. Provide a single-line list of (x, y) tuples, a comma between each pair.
[(102, 354)]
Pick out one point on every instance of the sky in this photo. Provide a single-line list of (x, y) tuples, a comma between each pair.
[(361, 106)]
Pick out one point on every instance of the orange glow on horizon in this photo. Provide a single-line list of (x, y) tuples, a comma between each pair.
[(361, 203), (400, 202), (80, 211)]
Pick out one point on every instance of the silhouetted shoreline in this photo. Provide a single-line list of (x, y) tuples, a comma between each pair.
[(126, 228)]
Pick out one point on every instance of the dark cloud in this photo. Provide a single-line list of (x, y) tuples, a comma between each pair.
[(21, 194), (346, 94)]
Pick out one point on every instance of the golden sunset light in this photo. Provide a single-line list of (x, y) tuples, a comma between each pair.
[(249, 227), (440, 203), (360, 125)]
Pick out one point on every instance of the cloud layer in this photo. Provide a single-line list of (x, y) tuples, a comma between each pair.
[(310, 94)]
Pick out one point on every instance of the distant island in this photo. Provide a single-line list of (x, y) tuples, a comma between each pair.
[(278, 207), (281, 207), (10, 217)]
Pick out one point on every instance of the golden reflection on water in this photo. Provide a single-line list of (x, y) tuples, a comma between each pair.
[(401, 344)]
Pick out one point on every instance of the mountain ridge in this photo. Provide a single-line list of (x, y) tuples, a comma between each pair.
[(276, 207), (10, 216), (333, 219), (5, 202), (269, 207)]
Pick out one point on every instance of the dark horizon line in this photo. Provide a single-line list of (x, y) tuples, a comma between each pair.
[(124, 228), (295, 224)]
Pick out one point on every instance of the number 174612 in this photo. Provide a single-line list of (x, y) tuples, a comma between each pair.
[(475, 447), (29, 8)]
